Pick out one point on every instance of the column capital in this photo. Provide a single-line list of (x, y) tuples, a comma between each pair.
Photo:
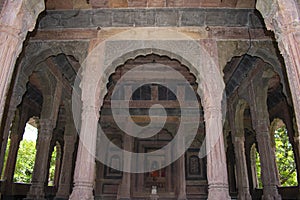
[(70, 138), (46, 126), (89, 110), (212, 111), (239, 139), (261, 125)]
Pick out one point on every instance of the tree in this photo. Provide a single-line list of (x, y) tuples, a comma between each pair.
[(25, 161), (52, 167), (284, 158)]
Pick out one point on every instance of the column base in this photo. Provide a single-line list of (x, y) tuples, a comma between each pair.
[(271, 197), (123, 192), (61, 198), (154, 197), (270, 193), (82, 192), (36, 192), (244, 195), (217, 192), (182, 197), (35, 198)]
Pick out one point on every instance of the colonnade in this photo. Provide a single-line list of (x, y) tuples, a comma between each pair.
[(19, 17)]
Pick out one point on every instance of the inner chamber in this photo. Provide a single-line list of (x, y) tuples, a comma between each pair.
[(108, 180)]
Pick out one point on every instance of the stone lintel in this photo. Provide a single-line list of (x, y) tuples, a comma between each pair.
[(151, 17)]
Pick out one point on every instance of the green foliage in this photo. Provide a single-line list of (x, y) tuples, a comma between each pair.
[(258, 169), (284, 158), (25, 161), (52, 168)]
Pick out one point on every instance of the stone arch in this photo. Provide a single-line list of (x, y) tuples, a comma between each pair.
[(34, 60), (93, 77), (45, 50), (103, 60), (273, 61), (268, 57)]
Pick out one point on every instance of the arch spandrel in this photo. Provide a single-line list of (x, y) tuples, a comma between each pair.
[(103, 59)]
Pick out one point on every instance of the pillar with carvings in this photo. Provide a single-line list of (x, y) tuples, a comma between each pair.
[(261, 123), (216, 158), (181, 178), (16, 19), (84, 175), (241, 167), (39, 178), (16, 135), (15, 100), (181, 181), (238, 138), (65, 178), (125, 186)]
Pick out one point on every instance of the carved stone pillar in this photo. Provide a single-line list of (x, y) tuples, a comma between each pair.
[(16, 135), (260, 121), (15, 100), (66, 169), (84, 175), (40, 169), (241, 168), (17, 18), (236, 117), (297, 148), (181, 178), (70, 137), (282, 17), (125, 187), (216, 158)]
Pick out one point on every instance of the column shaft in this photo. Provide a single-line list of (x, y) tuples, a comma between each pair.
[(181, 178), (41, 160), (84, 175), (65, 178), (216, 157), (16, 135), (260, 121), (125, 187), (241, 168)]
